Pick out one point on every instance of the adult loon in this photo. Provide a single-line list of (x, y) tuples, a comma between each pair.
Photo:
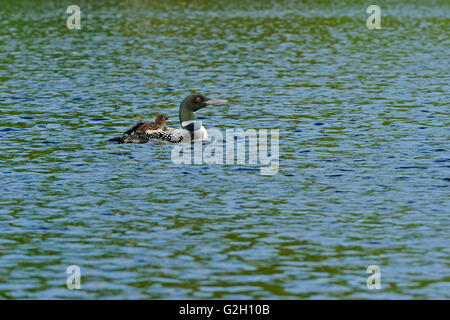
[(192, 130)]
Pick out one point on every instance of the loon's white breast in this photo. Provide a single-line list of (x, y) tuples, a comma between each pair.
[(204, 133)]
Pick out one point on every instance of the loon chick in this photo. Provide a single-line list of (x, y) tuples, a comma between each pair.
[(192, 130), (137, 134), (149, 127)]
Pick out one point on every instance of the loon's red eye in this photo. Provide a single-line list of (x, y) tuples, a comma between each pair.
[(198, 99)]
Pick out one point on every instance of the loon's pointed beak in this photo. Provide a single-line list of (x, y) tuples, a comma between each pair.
[(215, 101)]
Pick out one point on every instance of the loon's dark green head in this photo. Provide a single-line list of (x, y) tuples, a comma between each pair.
[(190, 105)]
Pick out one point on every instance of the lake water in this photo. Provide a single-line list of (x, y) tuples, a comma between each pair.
[(364, 150)]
